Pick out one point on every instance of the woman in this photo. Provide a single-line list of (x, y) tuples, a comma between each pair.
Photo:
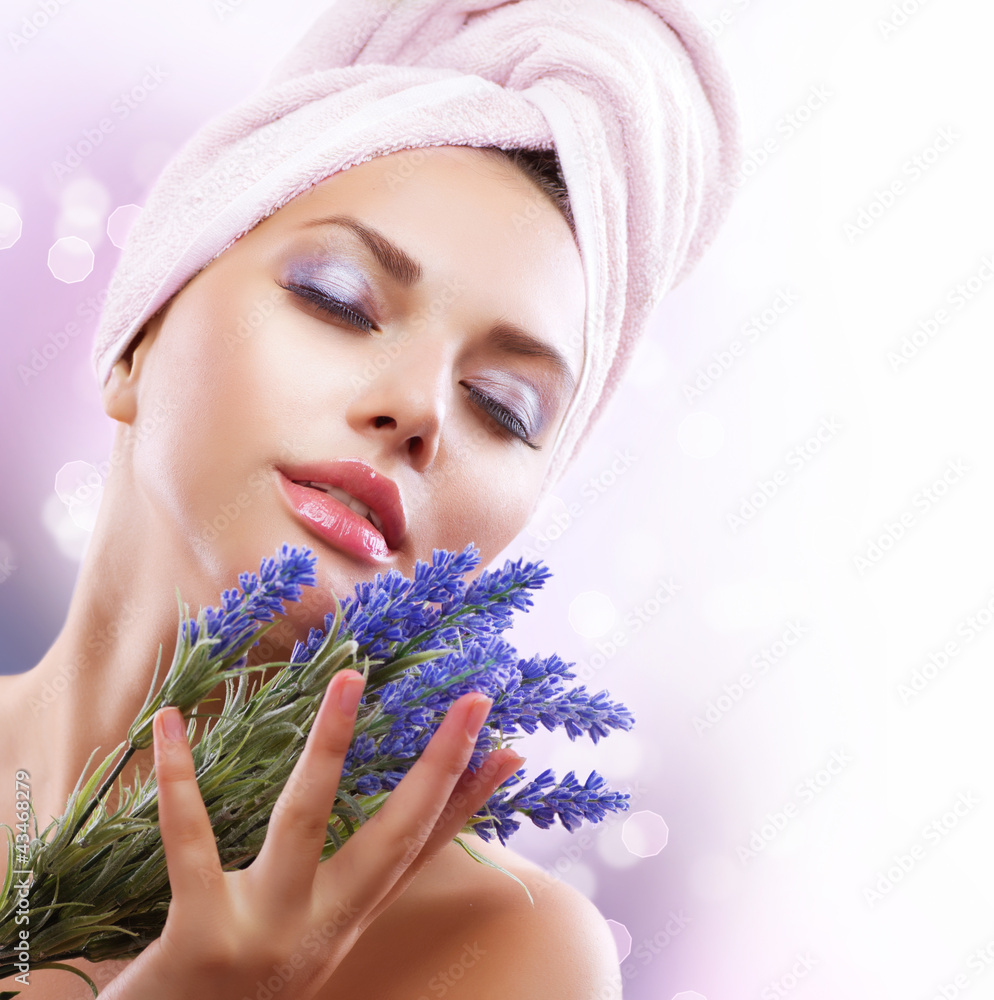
[(430, 327)]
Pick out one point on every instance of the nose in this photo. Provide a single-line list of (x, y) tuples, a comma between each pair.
[(401, 406)]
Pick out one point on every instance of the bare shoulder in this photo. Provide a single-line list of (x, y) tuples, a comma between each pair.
[(466, 930), (559, 945)]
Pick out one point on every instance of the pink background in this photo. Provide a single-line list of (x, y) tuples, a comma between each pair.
[(815, 757)]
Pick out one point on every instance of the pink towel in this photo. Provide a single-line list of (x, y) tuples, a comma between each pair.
[(632, 95)]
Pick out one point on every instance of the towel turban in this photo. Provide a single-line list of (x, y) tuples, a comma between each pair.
[(633, 97)]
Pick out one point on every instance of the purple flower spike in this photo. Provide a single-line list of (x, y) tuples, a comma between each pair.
[(261, 597)]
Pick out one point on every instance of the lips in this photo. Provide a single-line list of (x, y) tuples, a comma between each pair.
[(334, 519)]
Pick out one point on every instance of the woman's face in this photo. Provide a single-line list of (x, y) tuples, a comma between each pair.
[(252, 373)]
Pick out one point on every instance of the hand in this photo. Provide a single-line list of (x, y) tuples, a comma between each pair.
[(287, 915)]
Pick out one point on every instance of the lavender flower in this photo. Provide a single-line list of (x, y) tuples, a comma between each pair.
[(542, 800), (393, 617), (428, 641), (261, 598), (219, 639), (422, 643)]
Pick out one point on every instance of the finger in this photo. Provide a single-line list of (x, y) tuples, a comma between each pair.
[(285, 867), (391, 839), (470, 795), (192, 859)]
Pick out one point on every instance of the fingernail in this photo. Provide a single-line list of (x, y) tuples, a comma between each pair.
[(477, 715), (349, 694), (173, 726)]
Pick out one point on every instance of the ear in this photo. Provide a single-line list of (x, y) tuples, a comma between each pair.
[(120, 395)]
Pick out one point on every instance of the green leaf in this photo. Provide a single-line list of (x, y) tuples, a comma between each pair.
[(70, 968), (493, 864)]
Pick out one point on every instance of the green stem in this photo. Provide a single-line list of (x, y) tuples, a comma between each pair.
[(68, 968), (118, 767)]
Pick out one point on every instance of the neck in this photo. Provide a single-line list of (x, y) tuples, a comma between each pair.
[(93, 681)]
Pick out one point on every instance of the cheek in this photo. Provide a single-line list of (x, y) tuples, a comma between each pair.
[(244, 368), (208, 413), (483, 502)]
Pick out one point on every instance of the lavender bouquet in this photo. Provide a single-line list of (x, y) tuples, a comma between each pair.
[(99, 886)]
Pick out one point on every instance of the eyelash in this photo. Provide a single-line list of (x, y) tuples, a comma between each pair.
[(340, 310), (501, 414), (330, 305)]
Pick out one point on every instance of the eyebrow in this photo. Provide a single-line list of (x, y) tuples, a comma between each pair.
[(407, 271)]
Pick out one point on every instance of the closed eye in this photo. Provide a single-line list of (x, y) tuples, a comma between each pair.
[(501, 414), (334, 307)]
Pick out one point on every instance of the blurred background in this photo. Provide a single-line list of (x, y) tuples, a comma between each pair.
[(774, 546)]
